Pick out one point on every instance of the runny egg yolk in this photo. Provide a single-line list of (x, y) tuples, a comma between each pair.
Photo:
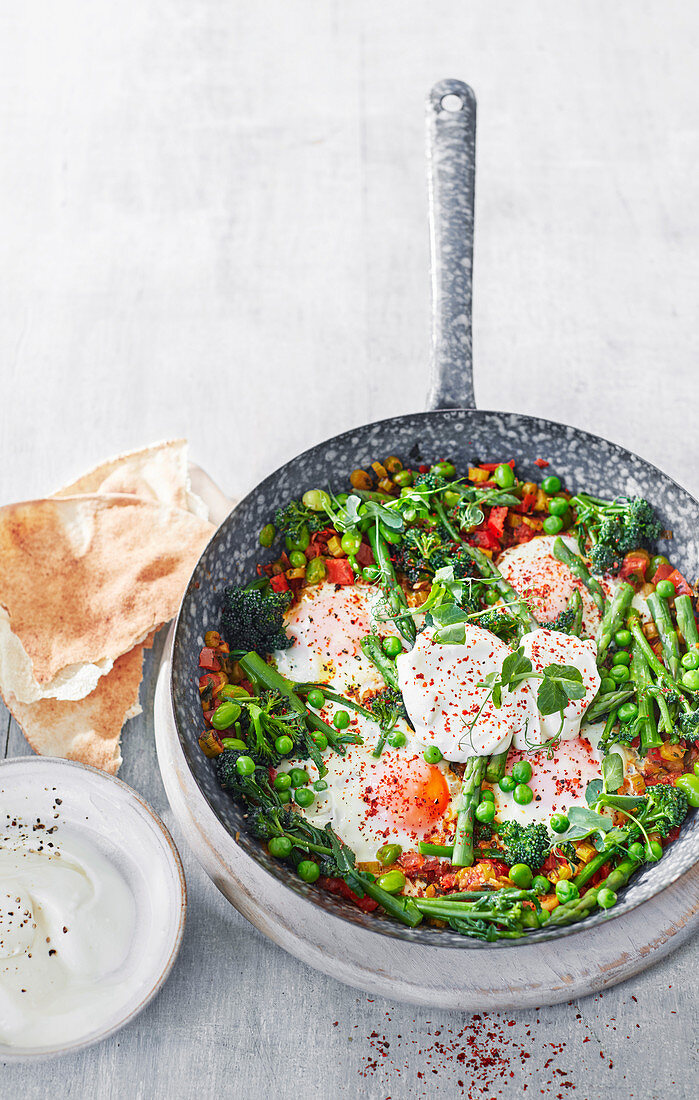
[(411, 792)]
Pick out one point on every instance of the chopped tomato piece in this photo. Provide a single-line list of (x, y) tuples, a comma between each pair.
[(541, 463), (339, 886), (491, 467), (364, 555), (501, 869), (682, 588), (208, 659), (496, 521), (524, 533), (485, 538), (209, 678), (662, 573), (339, 571), (279, 583), (634, 568)]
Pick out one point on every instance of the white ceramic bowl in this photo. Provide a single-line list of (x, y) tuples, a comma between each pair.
[(126, 830)]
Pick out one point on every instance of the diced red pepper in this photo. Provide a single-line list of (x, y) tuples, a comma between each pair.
[(682, 588), (209, 677), (339, 571), (313, 550), (524, 533), (491, 467), (634, 568), (279, 583), (661, 573), (485, 539), (541, 463), (208, 659), (339, 886), (364, 555), (527, 503), (423, 469), (496, 521)]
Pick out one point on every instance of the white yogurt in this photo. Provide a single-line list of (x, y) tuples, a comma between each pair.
[(67, 920)]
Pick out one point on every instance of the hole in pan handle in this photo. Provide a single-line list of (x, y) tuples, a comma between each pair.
[(451, 158)]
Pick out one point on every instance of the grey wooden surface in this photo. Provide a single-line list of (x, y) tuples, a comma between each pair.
[(213, 223)]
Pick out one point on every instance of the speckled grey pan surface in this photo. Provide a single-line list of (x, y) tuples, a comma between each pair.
[(582, 460)]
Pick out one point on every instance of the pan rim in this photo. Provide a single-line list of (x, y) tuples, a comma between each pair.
[(458, 414)]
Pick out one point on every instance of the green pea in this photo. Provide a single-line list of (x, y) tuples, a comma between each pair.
[(342, 499), (558, 506), (388, 854), (523, 794), (566, 891), (432, 755), (299, 777), (370, 573), (691, 659), (492, 596), (551, 484), (351, 541), (282, 782), (404, 478), (487, 796), (267, 535), (522, 771), (317, 500), (316, 699), (606, 898), (485, 812), (654, 851), (444, 469), (233, 743), (621, 658), (283, 744), (690, 785), (627, 712), (320, 785), (552, 525), (507, 784), (320, 740), (637, 851), (620, 674), (666, 589), (696, 768), (623, 637), (341, 719), (225, 715), (245, 765), (315, 571), (656, 562), (308, 870), (521, 875), (298, 559), (284, 797), (690, 679), (504, 476), (304, 797), (451, 498), (280, 846), (559, 823), (392, 882), (392, 646), (233, 691), (607, 684), (540, 884), (301, 541), (398, 740)]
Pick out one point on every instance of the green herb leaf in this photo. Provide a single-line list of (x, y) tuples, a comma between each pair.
[(583, 823), (593, 791), (613, 772), (559, 685)]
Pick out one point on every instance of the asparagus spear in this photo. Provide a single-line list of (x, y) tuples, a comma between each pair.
[(495, 768), (387, 573), (580, 908), (474, 771), (644, 646), (613, 617), (660, 610), (648, 730), (371, 648), (575, 604), (686, 621), (515, 603), (579, 569), (605, 703)]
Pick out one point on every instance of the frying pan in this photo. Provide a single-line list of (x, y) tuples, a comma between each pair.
[(451, 428)]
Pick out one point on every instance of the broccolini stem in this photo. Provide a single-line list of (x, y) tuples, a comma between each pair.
[(648, 730), (686, 621), (446, 851), (660, 610), (666, 721), (580, 908), (644, 646), (396, 595), (590, 869), (403, 909), (334, 697), (371, 648), (462, 856), (495, 768), (444, 519), (612, 618), (605, 703), (579, 569), (575, 605), (516, 603)]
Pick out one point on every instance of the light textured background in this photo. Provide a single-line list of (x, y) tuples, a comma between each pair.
[(213, 223)]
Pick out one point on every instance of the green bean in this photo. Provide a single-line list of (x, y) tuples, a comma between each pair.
[(648, 730), (579, 569), (660, 610), (686, 621), (605, 703), (613, 617)]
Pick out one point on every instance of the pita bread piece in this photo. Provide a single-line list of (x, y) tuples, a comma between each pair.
[(85, 578), (87, 730), (159, 472)]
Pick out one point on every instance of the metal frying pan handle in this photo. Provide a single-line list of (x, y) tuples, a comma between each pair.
[(451, 159)]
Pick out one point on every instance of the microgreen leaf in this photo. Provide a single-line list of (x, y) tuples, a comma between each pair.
[(583, 823), (612, 772), (592, 791), (559, 685)]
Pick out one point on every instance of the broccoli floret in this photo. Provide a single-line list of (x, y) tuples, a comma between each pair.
[(294, 516), (500, 623), (431, 481), (253, 619), (267, 822), (563, 621), (254, 788), (455, 556), (387, 706), (688, 726), (528, 844), (614, 528), (666, 809)]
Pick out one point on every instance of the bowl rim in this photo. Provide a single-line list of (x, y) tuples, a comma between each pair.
[(36, 1054), (344, 909)]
